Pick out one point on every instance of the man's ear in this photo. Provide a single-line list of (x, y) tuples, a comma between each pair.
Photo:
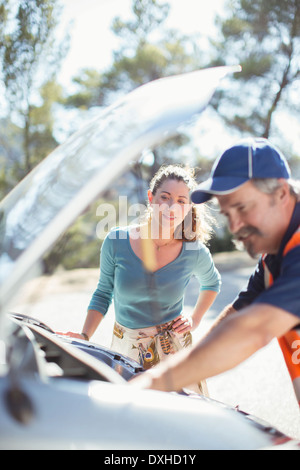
[(284, 191)]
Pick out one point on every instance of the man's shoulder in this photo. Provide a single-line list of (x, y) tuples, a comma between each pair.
[(294, 242)]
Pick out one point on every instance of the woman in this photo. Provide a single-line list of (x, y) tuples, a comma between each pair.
[(146, 268)]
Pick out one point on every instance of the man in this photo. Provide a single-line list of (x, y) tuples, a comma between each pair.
[(252, 182)]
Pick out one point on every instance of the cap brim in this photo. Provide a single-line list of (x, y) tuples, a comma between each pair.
[(216, 187)]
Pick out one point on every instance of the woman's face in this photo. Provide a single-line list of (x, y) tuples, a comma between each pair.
[(170, 204)]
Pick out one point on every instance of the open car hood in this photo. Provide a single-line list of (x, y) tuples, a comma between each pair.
[(61, 187)]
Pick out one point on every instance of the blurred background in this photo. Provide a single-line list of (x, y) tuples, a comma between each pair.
[(63, 61)]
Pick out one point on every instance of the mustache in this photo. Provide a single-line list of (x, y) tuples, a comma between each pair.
[(246, 232)]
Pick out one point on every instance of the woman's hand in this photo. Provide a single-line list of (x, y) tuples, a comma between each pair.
[(183, 324), (70, 334)]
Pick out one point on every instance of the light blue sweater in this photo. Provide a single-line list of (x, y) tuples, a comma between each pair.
[(143, 299)]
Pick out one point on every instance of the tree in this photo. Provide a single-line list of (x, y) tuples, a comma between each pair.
[(264, 37), (42, 138), (30, 56), (147, 51), (10, 154)]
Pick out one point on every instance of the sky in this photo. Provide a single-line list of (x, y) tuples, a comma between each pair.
[(92, 41)]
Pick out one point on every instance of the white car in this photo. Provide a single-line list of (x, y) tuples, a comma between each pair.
[(60, 393)]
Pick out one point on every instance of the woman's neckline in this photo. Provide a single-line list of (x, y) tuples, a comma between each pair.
[(141, 260)]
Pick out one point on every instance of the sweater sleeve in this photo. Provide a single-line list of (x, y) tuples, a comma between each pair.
[(102, 297), (206, 271)]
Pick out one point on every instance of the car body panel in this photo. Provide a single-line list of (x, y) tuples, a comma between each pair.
[(86, 404), (99, 415)]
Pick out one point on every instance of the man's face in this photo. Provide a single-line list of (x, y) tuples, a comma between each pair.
[(255, 219)]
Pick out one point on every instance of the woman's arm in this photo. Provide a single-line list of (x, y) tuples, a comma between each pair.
[(183, 323), (92, 321), (102, 296), (210, 282)]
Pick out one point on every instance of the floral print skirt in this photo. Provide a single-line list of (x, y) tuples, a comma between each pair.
[(149, 346)]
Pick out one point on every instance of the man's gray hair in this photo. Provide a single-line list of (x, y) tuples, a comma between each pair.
[(271, 185)]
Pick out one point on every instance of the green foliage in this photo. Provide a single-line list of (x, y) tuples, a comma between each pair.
[(89, 82), (41, 139), (147, 51), (148, 16), (79, 247), (30, 57), (221, 242), (28, 40), (264, 37), (10, 155)]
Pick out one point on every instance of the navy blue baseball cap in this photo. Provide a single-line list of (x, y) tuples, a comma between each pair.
[(248, 159)]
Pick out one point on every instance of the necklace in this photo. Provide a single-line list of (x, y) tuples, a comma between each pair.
[(145, 231), (158, 247)]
